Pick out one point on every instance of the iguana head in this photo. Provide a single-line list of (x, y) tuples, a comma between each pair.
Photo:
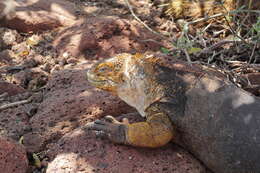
[(109, 74), (126, 75)]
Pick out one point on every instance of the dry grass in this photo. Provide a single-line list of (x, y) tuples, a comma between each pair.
[(218, 33), (201, 8)]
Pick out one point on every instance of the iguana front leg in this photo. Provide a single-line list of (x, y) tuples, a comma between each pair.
[(155, 132)]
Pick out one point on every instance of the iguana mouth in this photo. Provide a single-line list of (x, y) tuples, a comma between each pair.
[(91, 79), (95, 81)]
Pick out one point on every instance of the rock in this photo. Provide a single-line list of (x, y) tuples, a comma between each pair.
[(14, 122), (103, 37), (10, 88), (6, 7), (6, 57), (30, 78), (55, 69), (33, 142), (70, 102), (81, 151), (72, 60), (12, 157), (22, 78), (39, 78), (39, 15), (8, 37), (21, 49)]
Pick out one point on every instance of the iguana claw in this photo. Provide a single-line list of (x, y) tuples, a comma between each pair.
[(113, 130), (112, 119)]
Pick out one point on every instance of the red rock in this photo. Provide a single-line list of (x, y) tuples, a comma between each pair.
[(72, 60), (14, 122), (10, 88), (33, 142), (81, 151), (70, 102), (6, 6), (5, 57), (22, 78), (39, 15), (30, 78), (12, 157), (8, 37), (103, 37)]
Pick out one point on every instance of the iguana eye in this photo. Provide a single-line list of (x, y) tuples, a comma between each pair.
[(104, 69)]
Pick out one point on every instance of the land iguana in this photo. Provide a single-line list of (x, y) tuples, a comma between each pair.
[(215, 120)]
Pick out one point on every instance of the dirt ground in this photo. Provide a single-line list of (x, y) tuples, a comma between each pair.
[(46, 48)]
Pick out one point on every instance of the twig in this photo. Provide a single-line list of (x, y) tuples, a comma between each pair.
[(248, 11), (4, 95), (233, 31), (219, 15), (187, 55), (252, 54), (15, 68), (139, 20), (152, 40), (205, 29), (205, 18), (9, 105), (230, 27), (212, 57), (39, 89), (216, 45)]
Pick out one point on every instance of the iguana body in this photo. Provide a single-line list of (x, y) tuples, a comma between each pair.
[(216, 121)]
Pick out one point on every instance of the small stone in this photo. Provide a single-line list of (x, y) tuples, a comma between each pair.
[(8, 37), (164, 169), (6, 56), (40, 15), (31, 110), (55, 68), (30, 63), (72, 61), (44, 162), (102, 165), (46, 67), (22, 78), (33, 40), (33, 142), (10, 88), (65, 55), (62, 62)]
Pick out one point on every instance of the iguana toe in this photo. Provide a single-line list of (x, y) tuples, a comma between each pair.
[(114, 131), (112, 119)]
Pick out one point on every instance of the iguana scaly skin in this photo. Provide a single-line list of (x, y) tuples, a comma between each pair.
[(216, 121)]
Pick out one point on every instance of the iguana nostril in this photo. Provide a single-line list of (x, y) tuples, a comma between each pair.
[(90, 75)]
